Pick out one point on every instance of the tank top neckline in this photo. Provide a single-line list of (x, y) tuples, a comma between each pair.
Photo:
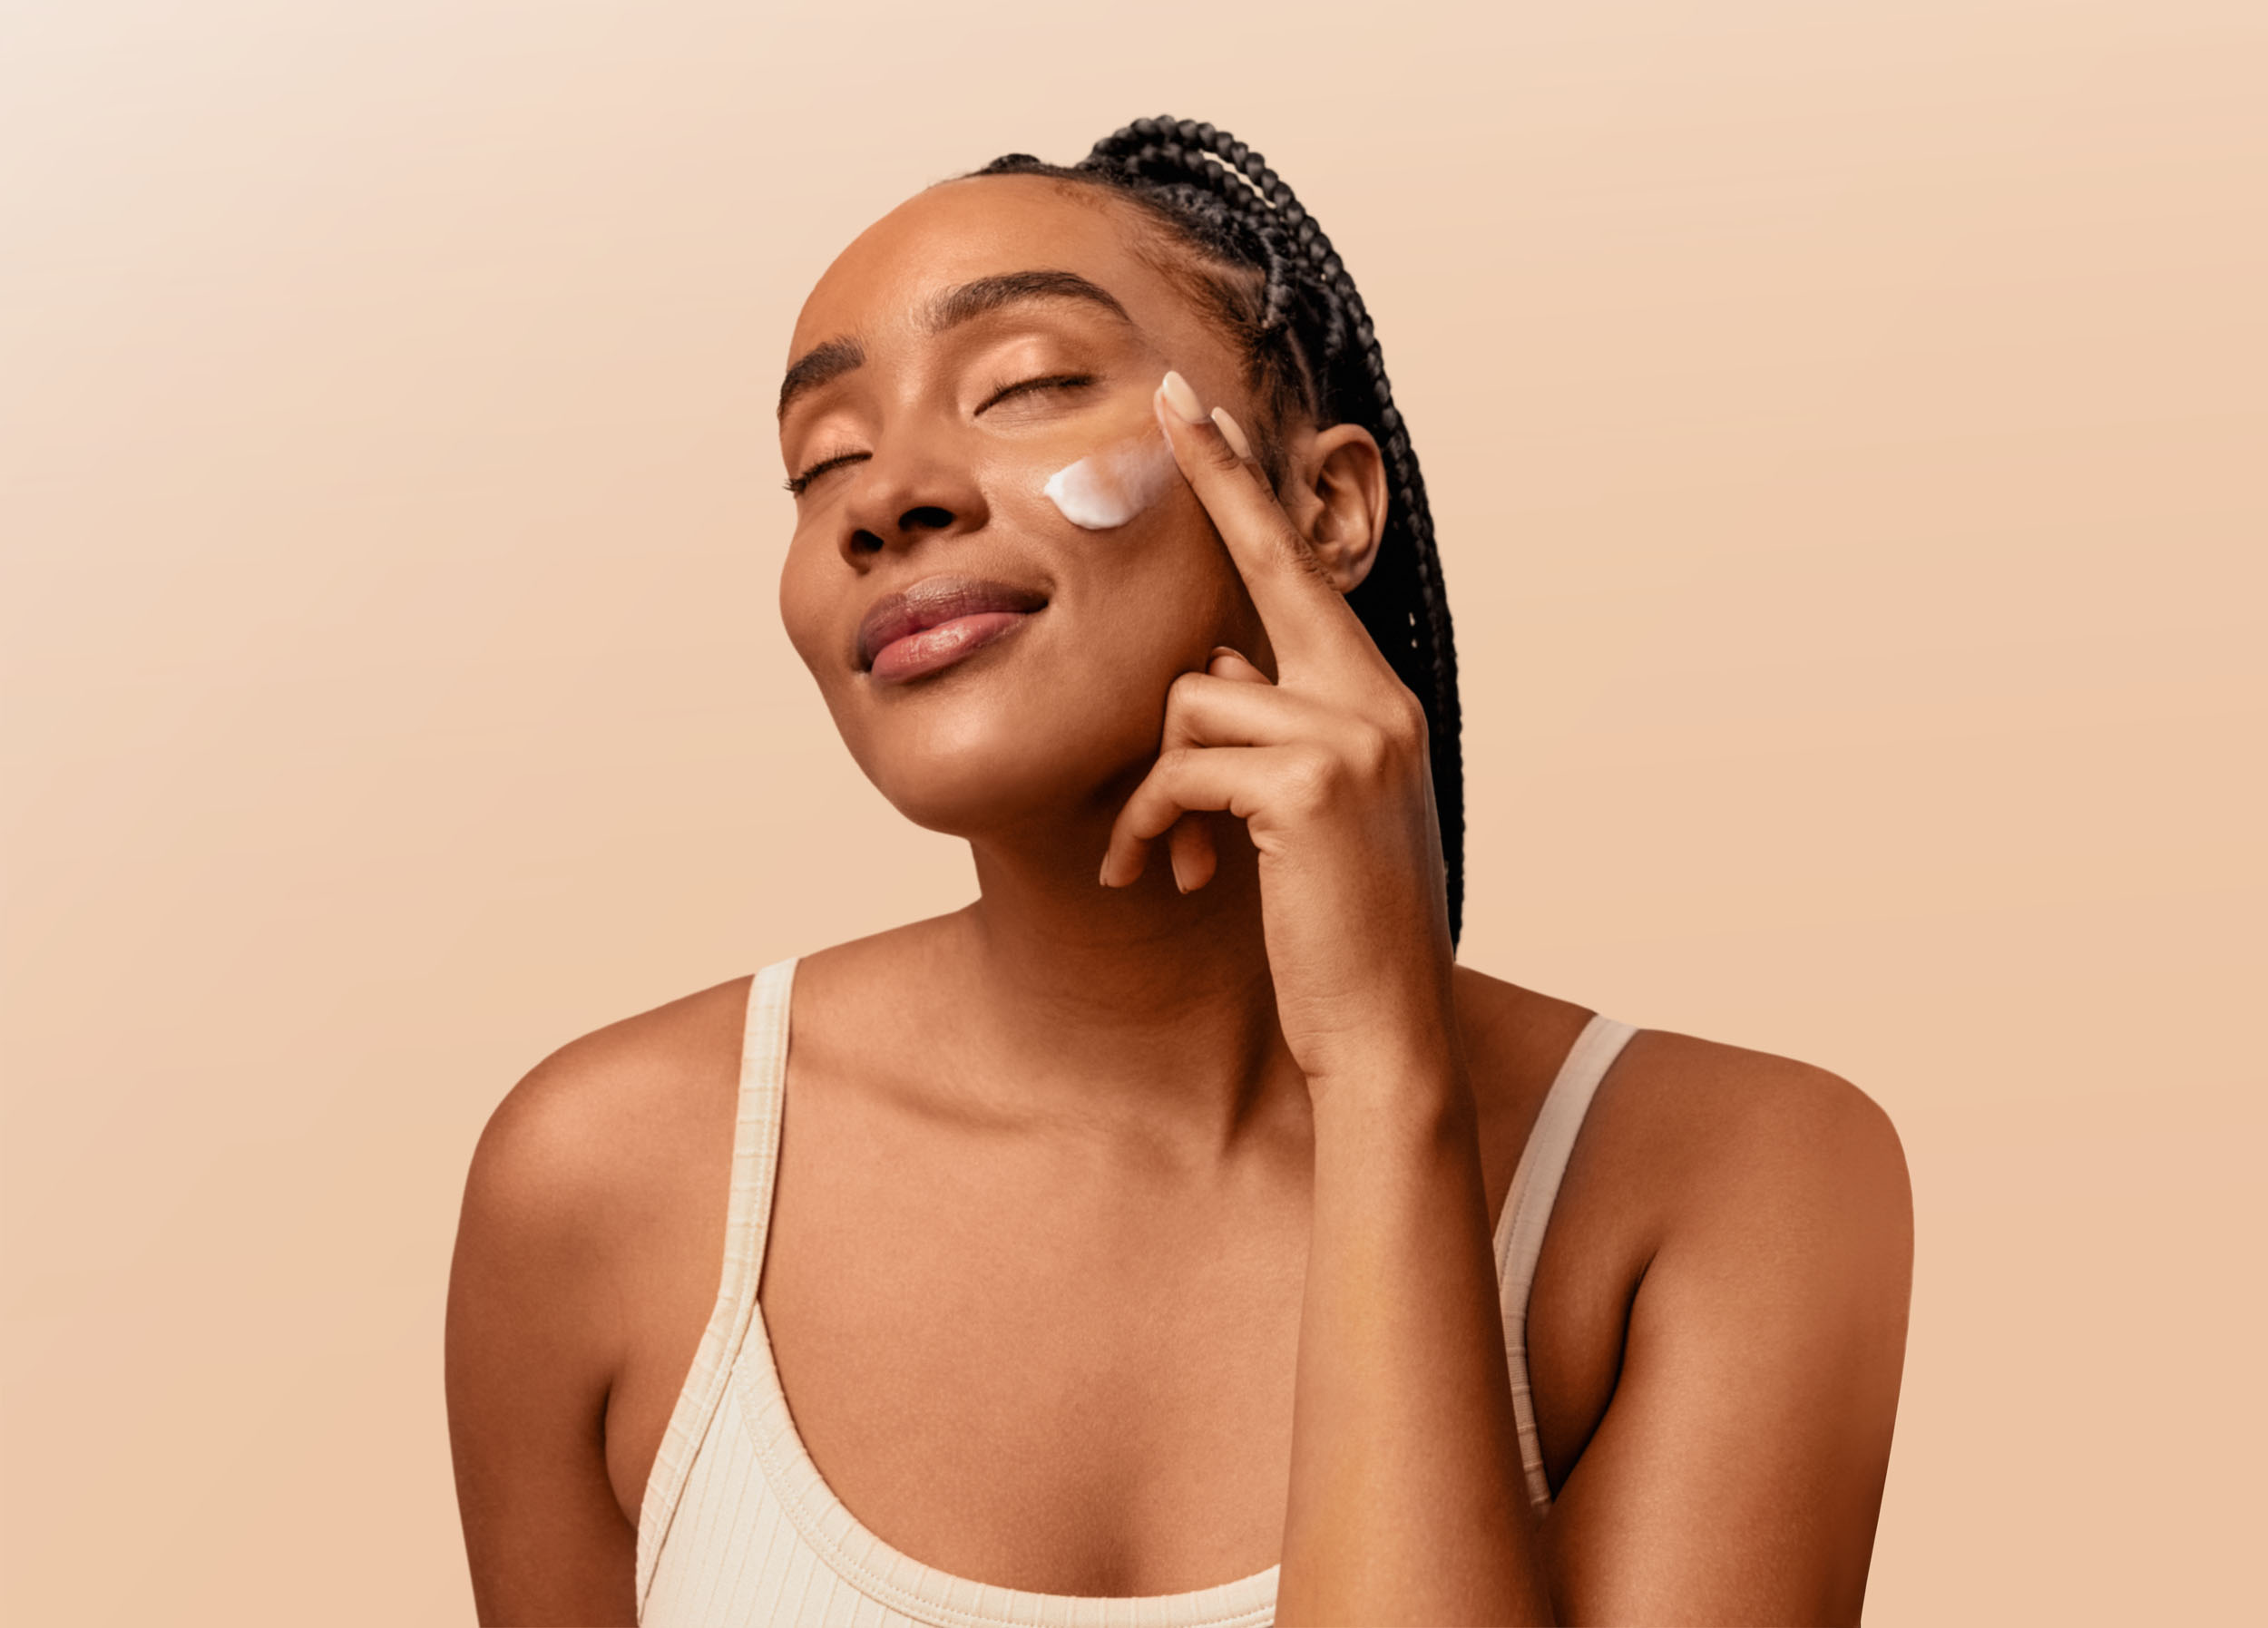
[(735, 1354)]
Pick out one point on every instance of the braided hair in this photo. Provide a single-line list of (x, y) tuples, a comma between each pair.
[(1311, 353)]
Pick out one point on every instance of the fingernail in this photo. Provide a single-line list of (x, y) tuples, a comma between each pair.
[(1232, 434), (1182, 399), (1105, 877)]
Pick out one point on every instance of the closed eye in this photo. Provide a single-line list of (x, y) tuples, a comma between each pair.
[(1054, 381), (795, 483)]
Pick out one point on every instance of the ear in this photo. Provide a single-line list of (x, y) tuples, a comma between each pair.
[(1337, 496)]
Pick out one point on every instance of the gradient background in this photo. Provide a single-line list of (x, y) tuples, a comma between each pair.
[(1847, 428)]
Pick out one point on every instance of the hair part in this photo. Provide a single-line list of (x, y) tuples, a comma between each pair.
[(1236, 240)]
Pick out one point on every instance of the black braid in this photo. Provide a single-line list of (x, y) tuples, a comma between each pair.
[(1312, 351)]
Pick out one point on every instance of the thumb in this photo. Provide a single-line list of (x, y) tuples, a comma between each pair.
[(1232, 665)]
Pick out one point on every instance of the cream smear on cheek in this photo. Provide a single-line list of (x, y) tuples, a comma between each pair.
[(1110, 487)]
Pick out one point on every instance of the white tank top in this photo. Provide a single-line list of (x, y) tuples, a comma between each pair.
[(737, 1528)]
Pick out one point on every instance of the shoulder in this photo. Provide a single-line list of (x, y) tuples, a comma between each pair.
[(1717, 1335), (1716, 1331), (571, 1156), (589, 1169), (569, 1193), (1744, 1143), (1711, 1144), (1753, 1217)]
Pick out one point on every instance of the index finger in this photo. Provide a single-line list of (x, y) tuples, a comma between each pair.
[(1305, 615)]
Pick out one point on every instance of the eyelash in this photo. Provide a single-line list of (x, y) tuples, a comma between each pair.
[(796, 484), (1052, 381)]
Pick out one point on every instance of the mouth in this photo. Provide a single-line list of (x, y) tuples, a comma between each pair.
[(937, 622)]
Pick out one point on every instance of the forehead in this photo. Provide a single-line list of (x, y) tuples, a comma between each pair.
[(961, 230)]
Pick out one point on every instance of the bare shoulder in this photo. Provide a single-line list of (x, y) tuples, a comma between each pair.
[(1733, 1217), (1706, 1171), (574, 1146), (1717, 1336), (608, 1129), (1686, 1133), (568, 1192), (1747, 1142), (590, 1173)]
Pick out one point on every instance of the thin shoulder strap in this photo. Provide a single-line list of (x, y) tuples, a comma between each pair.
[(748, 1217), (1528, 1213)]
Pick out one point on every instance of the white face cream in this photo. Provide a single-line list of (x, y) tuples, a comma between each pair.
[(1114, 485)]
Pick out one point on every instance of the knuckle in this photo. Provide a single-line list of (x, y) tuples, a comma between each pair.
[(1310, 779), (1407, 714), (1145, 818), (1369, 749), (1163, 785), (1184, 692)]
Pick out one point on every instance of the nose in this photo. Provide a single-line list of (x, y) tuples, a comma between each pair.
[(904, 496)]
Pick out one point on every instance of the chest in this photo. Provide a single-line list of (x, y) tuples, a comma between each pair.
[(1063, 1371), (1063, 1375)]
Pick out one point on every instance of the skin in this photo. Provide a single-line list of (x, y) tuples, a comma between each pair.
[(1127, 1240)]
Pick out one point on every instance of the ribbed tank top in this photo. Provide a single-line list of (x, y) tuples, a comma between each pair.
[(736, 1527)]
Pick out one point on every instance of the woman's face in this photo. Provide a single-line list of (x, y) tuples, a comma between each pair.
[(991, 664)]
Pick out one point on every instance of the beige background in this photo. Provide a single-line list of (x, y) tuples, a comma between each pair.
[(1847, 428)]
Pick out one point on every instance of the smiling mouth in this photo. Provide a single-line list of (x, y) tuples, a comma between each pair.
[(937, 622)]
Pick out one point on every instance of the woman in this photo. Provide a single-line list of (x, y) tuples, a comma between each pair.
[(1137, 1229)]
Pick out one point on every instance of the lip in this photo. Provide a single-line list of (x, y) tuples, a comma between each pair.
[(936, 622)]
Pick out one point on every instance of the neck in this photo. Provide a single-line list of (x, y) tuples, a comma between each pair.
[(1152, 1002)]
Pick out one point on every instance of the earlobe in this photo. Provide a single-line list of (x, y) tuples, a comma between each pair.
[(1346, 487)]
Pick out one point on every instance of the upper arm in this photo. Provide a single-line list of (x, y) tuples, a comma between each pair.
[(533, 1334), (1738, 1470)]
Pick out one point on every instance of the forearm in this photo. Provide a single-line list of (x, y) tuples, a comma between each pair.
[(1407, 1502)]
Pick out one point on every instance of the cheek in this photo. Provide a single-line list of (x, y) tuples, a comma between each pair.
[(1116, 484), (807, 590), (1166, 594)]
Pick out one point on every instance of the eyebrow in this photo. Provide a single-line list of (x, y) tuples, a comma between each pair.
[(988, 294), (949, 309), (818, 365)]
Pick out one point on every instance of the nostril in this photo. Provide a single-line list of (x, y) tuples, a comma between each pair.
[(866, 542), (929, 518)]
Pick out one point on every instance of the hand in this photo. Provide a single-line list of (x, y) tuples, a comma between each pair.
[(1328, 767)]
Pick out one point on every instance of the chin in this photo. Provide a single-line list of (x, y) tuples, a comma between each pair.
[(974, 765)]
